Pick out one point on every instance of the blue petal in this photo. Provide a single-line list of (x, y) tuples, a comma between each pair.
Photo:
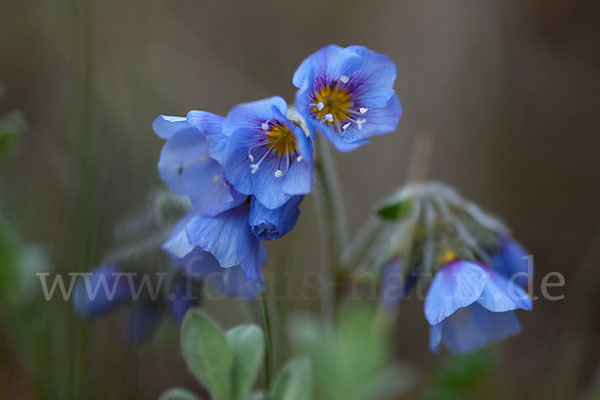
[(207, 123), (251, 115), (501, 295), (330, 62), (165, 126), (270, 224), (435, 336), (187, 167), (229, 239), (101, 293), (201, 265), (376, 75), (474, 327), (455, 286), (512, 260), (142, 321)]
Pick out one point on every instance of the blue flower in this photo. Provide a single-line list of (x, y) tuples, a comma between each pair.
[(270, 224), (348, 94), (266, 155), (186, 163), (469, 305), (108, 288), (105, 290), (512, 262), (202, 265), (229, 239)]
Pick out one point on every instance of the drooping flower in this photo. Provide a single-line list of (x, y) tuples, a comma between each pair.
[(512, 261), (202, 265), (469, 305), (347, 94), (229, 239), (266, 154), (270, 224), (186, 164), (108, 288)]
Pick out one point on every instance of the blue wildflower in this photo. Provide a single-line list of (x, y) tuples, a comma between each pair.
[(229, 239), (102, 292), (512, 262), (347, 94), (266, 155), (108, 288), (270, 224), (469, 305), (186, 163), (202, 265)]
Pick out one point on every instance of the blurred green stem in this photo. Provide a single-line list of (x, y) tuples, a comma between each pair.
[(333, 210), (268, 339)]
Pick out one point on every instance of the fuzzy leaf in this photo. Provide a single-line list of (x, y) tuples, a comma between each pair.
[(395, 211), (293, 382), (207, 353), (247, 343)]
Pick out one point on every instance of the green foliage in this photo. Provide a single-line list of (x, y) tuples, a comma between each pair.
[(207, 353), (226, 364), (460, 376), (350, 361), (247, 344), (11, 126), (395, 210), (294, 381), (178, 394)]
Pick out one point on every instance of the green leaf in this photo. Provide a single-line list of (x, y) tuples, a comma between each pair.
[(396, 210), (247, 343), (207, 353), (178, 394), (293, 382)]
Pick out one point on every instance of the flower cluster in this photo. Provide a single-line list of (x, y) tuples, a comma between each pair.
[(480, 272), (246, 173)]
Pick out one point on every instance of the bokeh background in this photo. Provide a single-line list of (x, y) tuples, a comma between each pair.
[(506, 93)]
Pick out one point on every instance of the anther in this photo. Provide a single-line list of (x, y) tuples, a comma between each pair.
[(251, 157), (278, 173), (320, 105), (329, 117), (344, 79), (265, 126), (346, 125), (299, 158), (253, 168), (363, 110)]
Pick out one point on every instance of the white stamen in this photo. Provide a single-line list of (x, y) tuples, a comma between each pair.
[(359, 122), (346, 125), (344, 79), (329, 117), (278, 173), (265, 126), (253, 168), (216, 178), (251, 157), (363, 110), (299, 158), (320, 105)]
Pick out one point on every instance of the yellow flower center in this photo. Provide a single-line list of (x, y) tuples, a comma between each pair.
[(332, 105), (448, 255), (281, 139)]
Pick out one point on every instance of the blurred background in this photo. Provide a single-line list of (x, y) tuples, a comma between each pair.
[(507, 91)]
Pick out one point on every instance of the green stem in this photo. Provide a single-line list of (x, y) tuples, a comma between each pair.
[(332, 208), (268, 339)]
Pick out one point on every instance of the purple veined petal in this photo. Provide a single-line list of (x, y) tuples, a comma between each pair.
[(253, 114), (207, 123), (374, 79), (456, 285)]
